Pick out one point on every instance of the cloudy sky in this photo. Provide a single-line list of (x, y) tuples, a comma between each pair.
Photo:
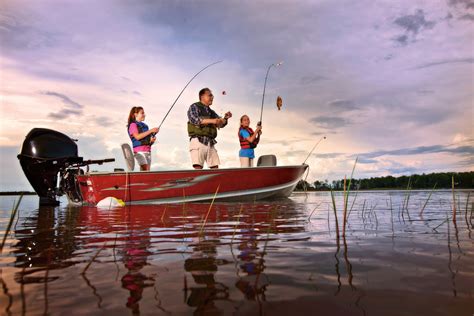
[(388, 81)]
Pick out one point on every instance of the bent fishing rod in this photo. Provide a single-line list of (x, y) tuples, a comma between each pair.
[(264, 86), (185, 89), (324, 137)]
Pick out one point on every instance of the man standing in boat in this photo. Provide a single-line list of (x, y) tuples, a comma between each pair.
[(202, 130)]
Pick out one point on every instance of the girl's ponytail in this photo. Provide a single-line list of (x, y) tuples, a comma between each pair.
[(133, 111)]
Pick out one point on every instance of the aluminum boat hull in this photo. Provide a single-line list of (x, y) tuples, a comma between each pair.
[(159, 187)]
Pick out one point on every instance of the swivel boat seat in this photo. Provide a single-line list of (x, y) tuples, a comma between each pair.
[(128, 155), (267, 161)]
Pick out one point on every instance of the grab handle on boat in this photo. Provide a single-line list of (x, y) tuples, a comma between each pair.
[(98, 162)]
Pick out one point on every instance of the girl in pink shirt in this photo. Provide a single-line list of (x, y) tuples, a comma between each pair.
[(142, 137)]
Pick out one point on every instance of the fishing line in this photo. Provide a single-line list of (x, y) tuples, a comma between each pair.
[(264, 87), (185, 89), (324, 137)]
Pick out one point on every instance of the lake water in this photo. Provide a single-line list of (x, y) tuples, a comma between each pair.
[(263, 258)]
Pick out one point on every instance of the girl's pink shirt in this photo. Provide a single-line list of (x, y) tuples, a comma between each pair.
[(132, 130)]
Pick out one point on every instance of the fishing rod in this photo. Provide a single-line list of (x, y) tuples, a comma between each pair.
[(184, 89), (324, 137), (264, 86)]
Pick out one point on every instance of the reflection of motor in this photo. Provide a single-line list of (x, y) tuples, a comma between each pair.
[(68, 185)]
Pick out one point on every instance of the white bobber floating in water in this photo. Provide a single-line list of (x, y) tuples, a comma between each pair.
[(110, 202)]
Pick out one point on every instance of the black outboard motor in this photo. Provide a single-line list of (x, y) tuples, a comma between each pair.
[(44, 154)]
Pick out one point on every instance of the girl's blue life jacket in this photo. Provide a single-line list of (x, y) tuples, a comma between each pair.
[(142, 127)]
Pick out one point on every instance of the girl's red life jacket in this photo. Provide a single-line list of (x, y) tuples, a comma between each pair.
[(244, 143)]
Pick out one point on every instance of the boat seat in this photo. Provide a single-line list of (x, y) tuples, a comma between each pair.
[(128, 155), (267, 161)]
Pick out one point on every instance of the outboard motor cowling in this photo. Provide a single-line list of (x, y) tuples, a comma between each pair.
[(44, 153)]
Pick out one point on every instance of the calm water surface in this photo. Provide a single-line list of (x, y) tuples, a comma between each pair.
[(263, 258)]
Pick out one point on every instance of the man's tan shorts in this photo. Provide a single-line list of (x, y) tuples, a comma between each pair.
[(201, 153)]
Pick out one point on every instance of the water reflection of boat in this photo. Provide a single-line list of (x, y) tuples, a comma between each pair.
[(134, 255), (203, 265), (46, 154), (253, 282), (53, 240), (41, 243)]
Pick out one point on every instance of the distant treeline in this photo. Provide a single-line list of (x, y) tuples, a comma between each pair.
[(443, 180)]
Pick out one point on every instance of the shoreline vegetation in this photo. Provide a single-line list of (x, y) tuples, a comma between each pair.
[(440, 180)]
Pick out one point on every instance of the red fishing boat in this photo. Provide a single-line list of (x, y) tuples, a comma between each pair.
[(47, 155), (190, 185)]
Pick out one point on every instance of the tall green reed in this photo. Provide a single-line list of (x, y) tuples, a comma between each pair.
[(454, 200), (429, 196), (346, 197), (335, 214), (12, 218), (208, 211), (236, 225), (93, 258)]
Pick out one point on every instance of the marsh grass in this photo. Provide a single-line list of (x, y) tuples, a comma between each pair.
[(375, 216), (236, 225), (10, 223), (208, 211), (465, 213), (407, 198), (363, 209), (470, 216), (304, 183), (335, 215), (346, 197), (115, 257), (185, 287), (344, 216), (426, 202), (353, 202), (271, 223), (164, 212), (447, 219), (391, 216), (309, 217), (454, 200), (93, 258), (345, 202)]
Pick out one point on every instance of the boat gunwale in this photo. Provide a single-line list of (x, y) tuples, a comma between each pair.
[(117, 173)]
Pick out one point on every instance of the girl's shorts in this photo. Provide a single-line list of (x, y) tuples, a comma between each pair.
[(143, 157)]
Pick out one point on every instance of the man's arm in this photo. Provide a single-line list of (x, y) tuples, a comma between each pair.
[(213, 120), (219, 121), (193, 116)]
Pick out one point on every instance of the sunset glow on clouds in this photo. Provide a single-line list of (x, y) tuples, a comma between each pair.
[(389, 82)]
